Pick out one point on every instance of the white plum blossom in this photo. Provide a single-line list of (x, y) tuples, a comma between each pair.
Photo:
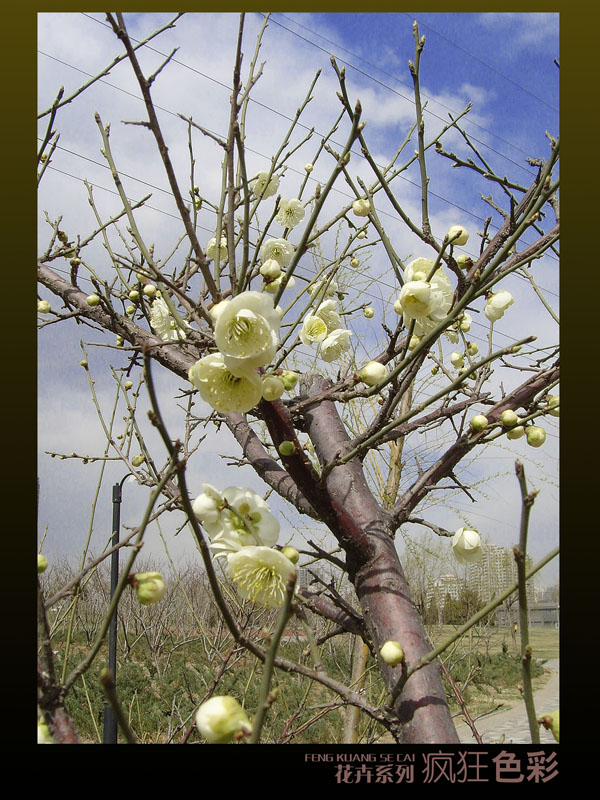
[(279, 249), (262, 187), (314, 330), (427, 302), (235, 518), (328, 312), (466, 546), (335, 344), (261, 575), (247, 330), (290, 213), (322, 288), (220, 718), (497, 304), (224, 389), (162, 323), (211, 248)]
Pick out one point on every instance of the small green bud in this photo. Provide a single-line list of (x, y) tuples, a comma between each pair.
[(149, 290), (128, 384), (92, 300), (291, 553), (392, 653), (43, 306), (361, 235), (137, 460), (42, 563), (551, 722), (130, 310), (354, 262), (369, 312), (62, 236), (119, 341), (509, 419), (290, 379), (308, 168), (536, 436), (149, 587), (472, 348), (515, 433), (83, 363), (373, 373), (134, 295), (272, 387), (287, 448), (479, 423), (553, 405)]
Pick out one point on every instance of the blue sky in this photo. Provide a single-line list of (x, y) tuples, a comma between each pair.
[(502, 63)]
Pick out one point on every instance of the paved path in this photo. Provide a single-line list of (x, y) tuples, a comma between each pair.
[(513, 721)]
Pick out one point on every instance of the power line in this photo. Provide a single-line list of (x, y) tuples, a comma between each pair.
[(426, 110)]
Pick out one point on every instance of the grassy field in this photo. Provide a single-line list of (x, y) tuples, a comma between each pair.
[(544, 641)]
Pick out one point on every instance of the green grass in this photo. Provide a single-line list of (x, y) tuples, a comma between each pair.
[(544, 641)]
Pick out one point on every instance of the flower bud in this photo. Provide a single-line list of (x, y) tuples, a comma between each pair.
[(290, 379), (43, 306), (83, 363), (42, 563), (479, 422), (463, 236), (130, 311), (119, 341), (414, 342), (287, 448), (465, 323), (308, 167), (128, 384), (354, 262), (509, 419), (137, 460), (92, 300), (149, 587), (463, 261), (472, 348), (361, 207), (435, 370), (361, 235), (466, 546), (369, 312), (149, 290), (553, 405), (372, 373), (270, 269), (291, 553), (221, 718), (536, 436), (551, 722), (272, 387), (134, 295), (392, 653), (457, 360), (515, 433)]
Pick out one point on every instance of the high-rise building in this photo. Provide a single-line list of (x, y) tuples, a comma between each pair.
[(495, 572)]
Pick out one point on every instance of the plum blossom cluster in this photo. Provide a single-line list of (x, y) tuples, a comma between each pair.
[(243, 531), (246, 335), (323, 325), (425, 298)]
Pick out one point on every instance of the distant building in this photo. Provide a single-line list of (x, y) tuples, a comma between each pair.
[(495, 572)]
